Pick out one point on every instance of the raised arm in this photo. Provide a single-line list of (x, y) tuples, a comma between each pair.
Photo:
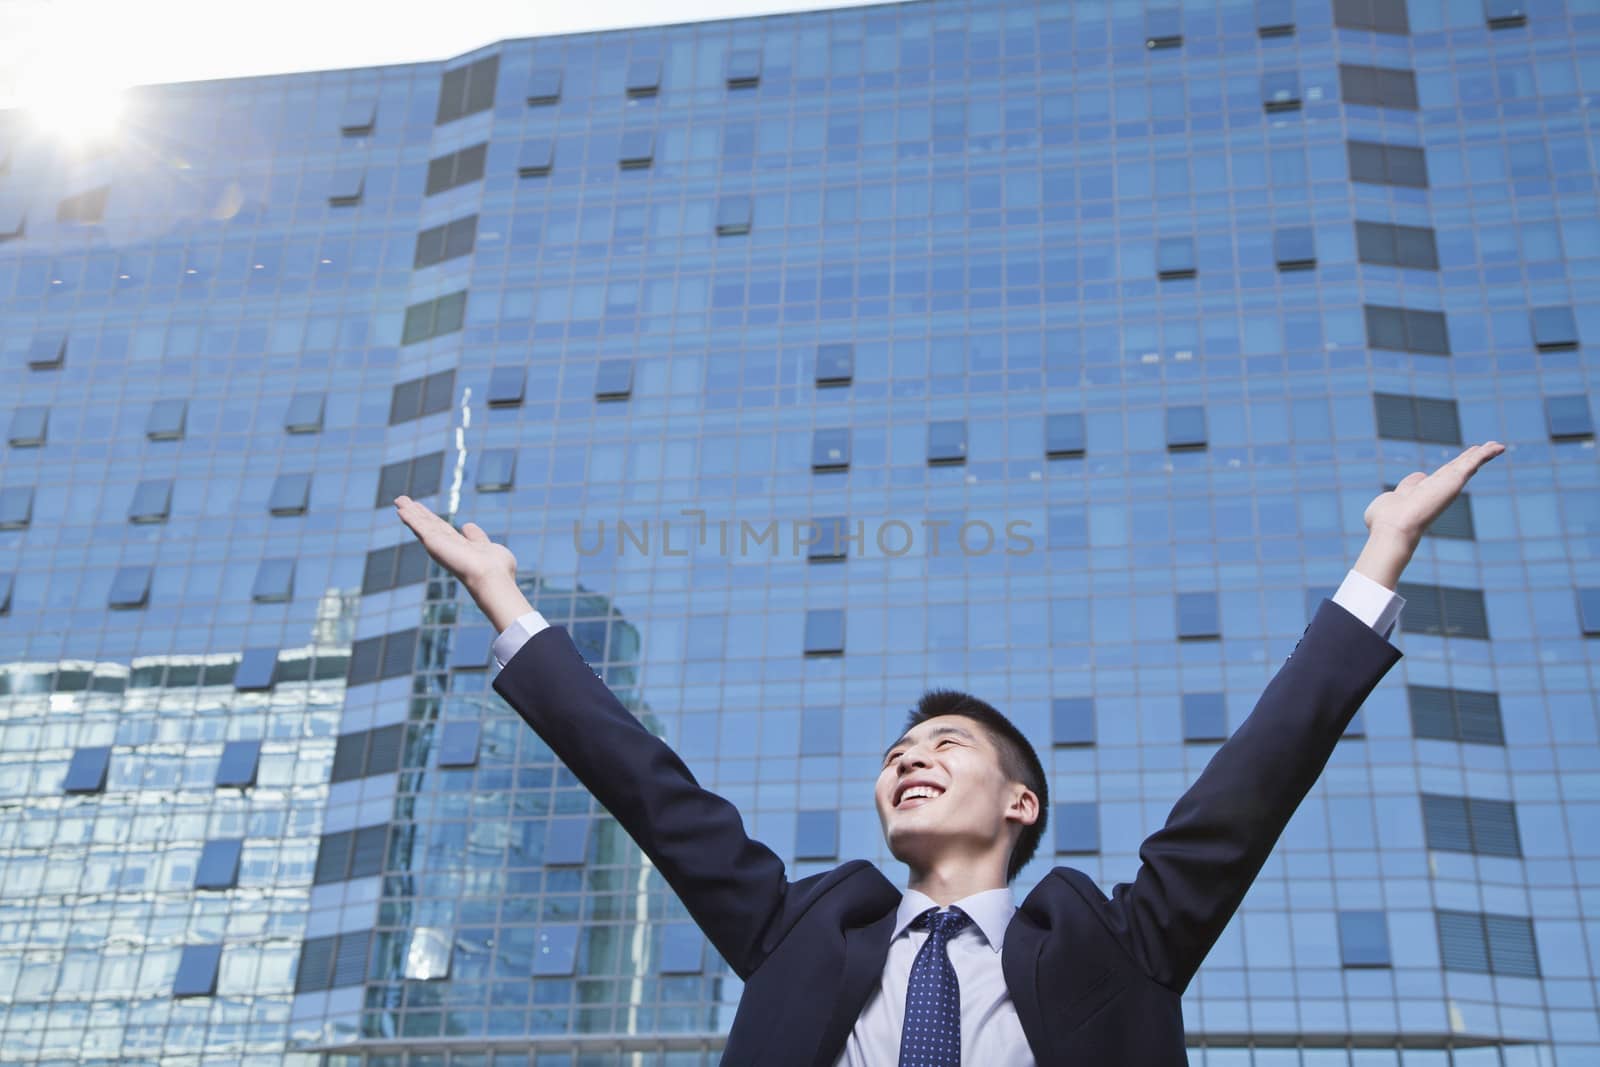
[(1196, 869), (734, 886)]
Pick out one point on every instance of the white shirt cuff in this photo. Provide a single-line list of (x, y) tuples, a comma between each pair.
[(516, 635), (1372, 603)]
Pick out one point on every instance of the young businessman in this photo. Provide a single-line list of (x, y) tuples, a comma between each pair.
[(844, 969)]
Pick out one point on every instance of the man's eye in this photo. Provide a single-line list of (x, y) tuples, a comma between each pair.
[(948, 741)]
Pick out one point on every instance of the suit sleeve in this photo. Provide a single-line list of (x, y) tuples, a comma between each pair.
[(733, 886), (1195, 870)]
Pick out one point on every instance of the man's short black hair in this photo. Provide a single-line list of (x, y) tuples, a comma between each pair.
[(1018, 761)]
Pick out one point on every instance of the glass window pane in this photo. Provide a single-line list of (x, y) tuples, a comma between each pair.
[(1293, 246), (256, 667), (832, 538), (744, 67), (1589, 610), (238, 764), (1554, 328), (345, 185), (1077, 827), (821, 730), (219, 864), (835, 364), (613, 378), (644, 76), (469, 651), (274, 581), (1198, 615), (1568, 417), (304, 414), (197, 971), (816, 835), (166, 420), (1186, 427), (130, 587), (497, 470), (733, 215), (7, 579), (824, 631), (566, 842), (555, 950), (637, 148), (830, 449), (28, 426), (1205, 717), (947, 441), (1072, 721), (87, 771), (1280, 90), (544, 87), (536, 157), (506, 385), (1175, 257), (16, 507), (358, 116), (47, 352), (291, 493), (682, 949), (1363, 939), (1064, 434), (458, 744)]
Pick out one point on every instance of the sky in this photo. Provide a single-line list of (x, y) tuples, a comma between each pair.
[(51, 48)]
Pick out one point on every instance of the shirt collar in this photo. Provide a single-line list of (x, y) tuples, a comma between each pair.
[(990, 912)]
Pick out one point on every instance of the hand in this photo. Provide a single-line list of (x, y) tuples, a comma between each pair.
[(1407, 510), (1396, 520), (488, 570)]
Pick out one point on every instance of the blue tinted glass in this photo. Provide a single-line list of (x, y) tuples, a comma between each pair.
[(345, 185), (1197, 615), (1275, 14), (470, 648), (1554, 327), (304, 414), (197, 971), (816, 835), (152, 500), (290, 494), (256, 667), (566, 842), (28, 427), (555, 950), (1175, 255), (835, 363), (1589, 610), (1072, 721), (130, 587), (458, 744), (947, 441), (1205, 717), (6, 581), (733, 215), (682, 949), (1064, 434), (1293, 245), (825, 630), (358, 115), (1077, 826), (497, 470), (832, 537), (1280, 89), (644, 76), (614, 378), (219, 864), (16, 507), (274, 581), (87, 771), (537, 156), (238, 764), (1363, 939), (506, 385), (1186, 426), (47, 352), (637, 148), (1568, 416), (744, 66), (544, 86), (830, 448), (820, 731)]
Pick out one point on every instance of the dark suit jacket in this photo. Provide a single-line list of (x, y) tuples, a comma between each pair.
[(1096, 981)]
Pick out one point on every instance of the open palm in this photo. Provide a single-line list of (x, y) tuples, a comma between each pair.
[(466, 553), (1409, 508)]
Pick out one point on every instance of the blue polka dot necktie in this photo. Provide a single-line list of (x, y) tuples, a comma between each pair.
[(931, 1034)]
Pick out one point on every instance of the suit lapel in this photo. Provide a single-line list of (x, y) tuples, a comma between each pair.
[(865, 950), (1019, 961)]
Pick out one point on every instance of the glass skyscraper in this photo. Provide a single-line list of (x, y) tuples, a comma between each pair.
[(1050, 351)]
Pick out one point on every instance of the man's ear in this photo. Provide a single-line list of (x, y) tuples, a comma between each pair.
[(1024, 807)]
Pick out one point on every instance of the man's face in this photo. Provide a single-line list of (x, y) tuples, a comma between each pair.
[(942, 793)]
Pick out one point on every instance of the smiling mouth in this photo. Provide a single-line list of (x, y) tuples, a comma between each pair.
[(917, 796)]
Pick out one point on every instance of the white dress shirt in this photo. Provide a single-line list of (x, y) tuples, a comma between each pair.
[(988, 1018)]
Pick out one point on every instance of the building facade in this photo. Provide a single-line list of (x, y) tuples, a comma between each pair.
[(1050, 351)]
